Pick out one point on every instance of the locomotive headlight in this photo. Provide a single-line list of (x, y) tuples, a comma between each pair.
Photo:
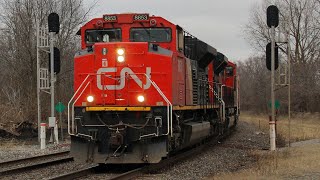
[(120, 51), (140, 98), (120, 59), (90, 99)]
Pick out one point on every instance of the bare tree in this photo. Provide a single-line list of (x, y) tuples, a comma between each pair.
[(301, 19), (254, 84), (18, 53)]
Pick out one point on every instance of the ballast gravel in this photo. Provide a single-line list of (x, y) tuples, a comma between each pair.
[(230, 155), (13, 149)]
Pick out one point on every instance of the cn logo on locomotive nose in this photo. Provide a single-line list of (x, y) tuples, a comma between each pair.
[(122, 79)]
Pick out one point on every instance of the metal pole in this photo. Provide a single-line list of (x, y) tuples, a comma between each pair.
[(272, 123), (43, 136), (52, 74), (289, 88), (38, 83), (60, 120), (52, 79)]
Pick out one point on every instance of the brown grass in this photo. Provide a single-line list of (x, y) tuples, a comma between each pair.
[(302, 162), (303, 126), (296, 162)]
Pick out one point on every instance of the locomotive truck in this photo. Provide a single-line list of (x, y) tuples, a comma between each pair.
[(145, 88)]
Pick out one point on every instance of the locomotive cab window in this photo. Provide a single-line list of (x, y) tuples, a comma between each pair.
[(150, 34), (180, 39), (105, 35), (229, 71)]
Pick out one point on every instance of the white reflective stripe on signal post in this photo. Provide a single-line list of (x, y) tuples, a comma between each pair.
[(43, 136)]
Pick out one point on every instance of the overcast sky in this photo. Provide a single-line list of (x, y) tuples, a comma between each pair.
[(217, 22)]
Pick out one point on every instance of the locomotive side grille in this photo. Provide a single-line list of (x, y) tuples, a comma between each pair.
[(195, 86)]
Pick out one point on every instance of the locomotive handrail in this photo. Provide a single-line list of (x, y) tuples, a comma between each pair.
[(220, 99), (169, 108), (223, 85), (72, 122), (238, 95), (72, 98), (223, 105)]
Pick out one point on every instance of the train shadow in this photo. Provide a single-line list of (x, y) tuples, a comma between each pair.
[(116, 168)]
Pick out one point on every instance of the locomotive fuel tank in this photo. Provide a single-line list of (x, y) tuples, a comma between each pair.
[(195, 132)]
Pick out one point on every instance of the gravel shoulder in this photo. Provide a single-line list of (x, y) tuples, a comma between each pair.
[(17, 149), (240, 156), (231, 155)]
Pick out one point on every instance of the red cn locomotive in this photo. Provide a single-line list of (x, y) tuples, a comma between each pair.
[(146, 88)]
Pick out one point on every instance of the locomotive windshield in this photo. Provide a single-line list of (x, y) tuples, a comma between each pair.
[(105, 35), (150, 34)]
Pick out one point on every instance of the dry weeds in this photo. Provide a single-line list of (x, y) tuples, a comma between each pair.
[(303, 126), (298, 162), (302, 162)]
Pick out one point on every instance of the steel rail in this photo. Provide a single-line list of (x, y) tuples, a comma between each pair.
[(171, 160), (11, 162), (75, 174), (35, 166), (146, 169)]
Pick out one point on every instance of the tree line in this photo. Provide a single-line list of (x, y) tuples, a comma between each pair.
[(18, 57), (301, 19), (18, 76)]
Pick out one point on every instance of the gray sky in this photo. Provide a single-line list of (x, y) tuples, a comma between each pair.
[(217, 22)]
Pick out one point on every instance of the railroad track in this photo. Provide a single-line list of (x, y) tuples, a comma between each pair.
[(148, 168), (27, 164), (76, 174), (167, 162)]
